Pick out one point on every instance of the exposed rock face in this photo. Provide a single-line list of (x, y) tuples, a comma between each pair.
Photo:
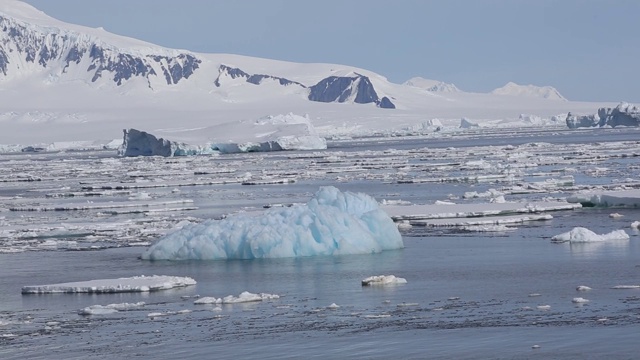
[(255, 79), (57, 49), (141, 143), (341, 89), (622, 115)]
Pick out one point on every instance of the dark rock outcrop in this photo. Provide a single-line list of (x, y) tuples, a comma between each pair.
[(342, 88), (255, 79)]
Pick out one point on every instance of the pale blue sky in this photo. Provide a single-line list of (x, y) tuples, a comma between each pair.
[(588, 49)]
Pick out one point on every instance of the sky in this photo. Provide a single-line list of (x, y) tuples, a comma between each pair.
[(587, 49)]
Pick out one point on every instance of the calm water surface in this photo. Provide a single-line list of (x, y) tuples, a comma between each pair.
[(467, 296)]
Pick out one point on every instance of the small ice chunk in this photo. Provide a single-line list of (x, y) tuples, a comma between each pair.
[(383, 280), (583, 235), (579, 300), (333, 306), (534, 295), (625, 287), (635, 225), (583, 288), (208, 300), (543, 307), (616, 216), (109, 309)]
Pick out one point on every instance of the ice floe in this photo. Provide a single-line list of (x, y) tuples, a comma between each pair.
[(620, 198), (331, 223), (132, 284), (584, 235), (583, 288), (244, 297), (579, 300), (383, 280), (110, 309)]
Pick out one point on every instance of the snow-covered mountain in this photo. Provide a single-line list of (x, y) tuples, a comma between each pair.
[(431, 85), (66, 84), (545, 92), (35, 45)]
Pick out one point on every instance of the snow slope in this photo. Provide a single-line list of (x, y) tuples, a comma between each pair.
[(67, 83), (545, 92)]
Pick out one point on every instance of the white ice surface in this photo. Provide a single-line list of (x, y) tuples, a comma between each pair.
[(331, 223), (244, 297), (584, 235), (60, 104), (622, 198), (110, 309), (132, 284), (383, 280)]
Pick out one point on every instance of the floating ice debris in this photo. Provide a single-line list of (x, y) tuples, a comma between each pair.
[(579, 300), (583, 288), (208, 300), (244, 297), (534, 295), (132, 284), (407, 304), (621, 198), (635, 225), (383, 280), (109, 309), (616, 216), (380, 316), (626, 287), (535, 347), (583, 235), (543, 307), (333, 306), (332, 223), (487, 228)]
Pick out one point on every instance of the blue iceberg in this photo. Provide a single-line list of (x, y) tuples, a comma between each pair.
[(331, 223)]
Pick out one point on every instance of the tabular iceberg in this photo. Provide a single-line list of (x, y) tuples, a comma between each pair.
[(331, 223)]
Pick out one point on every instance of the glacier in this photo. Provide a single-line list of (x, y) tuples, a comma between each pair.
[(331, 223)]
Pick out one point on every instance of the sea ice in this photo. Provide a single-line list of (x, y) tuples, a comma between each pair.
[(621, 198), (331, 223), (583, 235), (579, 300), (383, 280), (132, 284), (244, 297), (109, 309)]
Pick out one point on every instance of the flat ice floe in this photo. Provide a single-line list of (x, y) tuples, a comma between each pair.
[(621, 198), (383, 280), (244, 297), (110, 309), (132, 284), (331, 223), (584, 235)]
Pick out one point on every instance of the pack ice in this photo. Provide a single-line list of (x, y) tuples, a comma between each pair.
[(331, 223)]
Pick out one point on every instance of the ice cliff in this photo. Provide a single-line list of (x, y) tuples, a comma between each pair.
[(270, 133), (622, 115), (331, 223)]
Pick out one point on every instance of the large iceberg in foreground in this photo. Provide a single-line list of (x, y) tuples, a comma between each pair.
[(331, 223)]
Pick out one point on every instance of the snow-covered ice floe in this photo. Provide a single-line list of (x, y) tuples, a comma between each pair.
[(583, 235), (270, 133), (331, 223), (383, 280), (110, 309), (621, 198), (244, 297), (132, 284)]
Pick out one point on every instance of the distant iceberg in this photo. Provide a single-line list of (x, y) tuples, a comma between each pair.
[(331, 223), (270, 133), (624, 114)]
